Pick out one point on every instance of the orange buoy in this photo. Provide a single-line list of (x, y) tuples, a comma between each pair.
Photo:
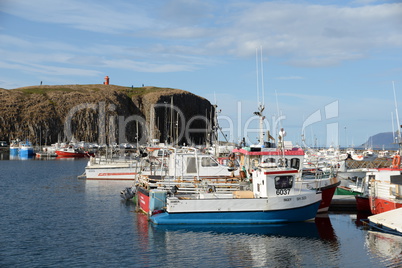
[(396, 162)]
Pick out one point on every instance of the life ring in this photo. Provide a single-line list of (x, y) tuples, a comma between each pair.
[(396, 162)]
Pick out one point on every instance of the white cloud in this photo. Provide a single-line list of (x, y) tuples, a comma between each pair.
[(317, 35), (184, 35), (93, 16), (49, 69)]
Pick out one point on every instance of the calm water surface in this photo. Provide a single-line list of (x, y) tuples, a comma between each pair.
[(49, 218)]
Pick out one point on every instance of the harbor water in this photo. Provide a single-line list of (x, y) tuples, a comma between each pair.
[(49, 218)]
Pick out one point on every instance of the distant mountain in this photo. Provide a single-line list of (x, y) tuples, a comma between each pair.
[(380, 140)]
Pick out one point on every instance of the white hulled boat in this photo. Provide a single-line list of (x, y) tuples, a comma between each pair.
[(275, 198)]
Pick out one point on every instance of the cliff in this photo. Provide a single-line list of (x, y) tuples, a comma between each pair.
[(103, 114)]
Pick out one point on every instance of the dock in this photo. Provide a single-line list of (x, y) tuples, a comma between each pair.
[(343, 203), (391, 220)]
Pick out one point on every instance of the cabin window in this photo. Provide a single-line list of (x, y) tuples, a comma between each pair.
[(254, 163), (191, 168), (283, 182), (269, 160), (208, 162), (295, 163), (282, 162), (163, 153)]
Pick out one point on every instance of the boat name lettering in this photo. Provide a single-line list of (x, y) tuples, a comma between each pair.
[(283, 191), (301, 198), (287, 199)]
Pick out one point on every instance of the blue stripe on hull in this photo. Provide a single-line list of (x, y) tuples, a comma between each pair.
[(26, 153), (250, 217), (14, 151)]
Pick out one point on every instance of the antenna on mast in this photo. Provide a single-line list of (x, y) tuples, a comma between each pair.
[(257, 77), (262, 78), (397, 116), (261, 106), (277, 106)]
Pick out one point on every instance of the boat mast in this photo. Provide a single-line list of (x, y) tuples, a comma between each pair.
[(260, 105), (397, 120)]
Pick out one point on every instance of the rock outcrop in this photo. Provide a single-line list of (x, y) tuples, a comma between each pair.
[(104, 114)]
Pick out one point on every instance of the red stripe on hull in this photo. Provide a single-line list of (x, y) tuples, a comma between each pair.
[(69, 154), (116, 174), (379, 205), (327, 195), (281, 172), (362, 203), (109, 179), (276, 152)]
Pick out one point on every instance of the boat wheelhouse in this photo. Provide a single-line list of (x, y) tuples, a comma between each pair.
[(385, 192), (291, 157)]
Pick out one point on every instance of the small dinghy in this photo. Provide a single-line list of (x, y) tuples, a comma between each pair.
[(128, 193)]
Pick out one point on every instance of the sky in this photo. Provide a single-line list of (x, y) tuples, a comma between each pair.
[(327, 69)]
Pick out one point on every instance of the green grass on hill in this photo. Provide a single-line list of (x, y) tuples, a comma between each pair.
[(129, 91), (41, 90)]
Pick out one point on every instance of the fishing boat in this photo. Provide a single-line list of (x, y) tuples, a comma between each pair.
[(385, 190), (70, 151), (112, 170), (188, 170), (326, 182), (275, 198), (150, 161), (360, 190), (26, 149), (14, 147)]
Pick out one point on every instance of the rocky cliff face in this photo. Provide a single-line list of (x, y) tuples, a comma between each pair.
[(103, 114)]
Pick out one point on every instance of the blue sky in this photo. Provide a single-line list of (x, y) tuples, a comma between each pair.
[(336, 59)]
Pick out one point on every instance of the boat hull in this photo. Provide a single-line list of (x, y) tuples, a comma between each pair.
[(362, 203), (380, 205), (26, 152), (143, 199), (72, 154), (239, 217), (110, 174), (14, 151), (327, 195), (343, 190), (327, 187)]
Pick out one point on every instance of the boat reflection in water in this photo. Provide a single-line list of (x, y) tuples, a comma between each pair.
[(21, 157), (360, 217), (234, 245), (386, 246), (320, 228)]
